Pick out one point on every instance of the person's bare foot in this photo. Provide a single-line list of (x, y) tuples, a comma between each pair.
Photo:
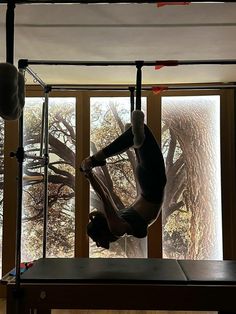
[(90, 162), (86, 165)]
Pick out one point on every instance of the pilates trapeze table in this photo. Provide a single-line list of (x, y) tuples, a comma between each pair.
[(125, 284)]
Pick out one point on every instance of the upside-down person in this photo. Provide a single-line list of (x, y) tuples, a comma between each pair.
[(110, 224)]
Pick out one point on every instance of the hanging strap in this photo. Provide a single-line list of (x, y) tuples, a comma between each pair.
[(139, 65), (132, 90)]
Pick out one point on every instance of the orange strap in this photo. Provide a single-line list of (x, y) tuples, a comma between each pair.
[(158, 89), (162, 4), (161, 64)]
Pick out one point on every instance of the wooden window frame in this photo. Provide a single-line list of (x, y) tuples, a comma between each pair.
[(227, 112)]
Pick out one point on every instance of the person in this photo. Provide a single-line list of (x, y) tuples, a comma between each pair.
[(110, 224)]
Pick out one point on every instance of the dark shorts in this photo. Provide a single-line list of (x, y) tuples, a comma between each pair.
[(137, 223)]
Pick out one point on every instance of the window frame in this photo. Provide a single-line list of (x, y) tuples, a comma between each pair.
[(227, 113)]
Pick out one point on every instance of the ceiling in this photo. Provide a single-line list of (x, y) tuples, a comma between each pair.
[(125, 32)]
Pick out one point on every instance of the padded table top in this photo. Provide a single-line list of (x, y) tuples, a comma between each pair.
[(131, 270), (104, 270), (212, 272)]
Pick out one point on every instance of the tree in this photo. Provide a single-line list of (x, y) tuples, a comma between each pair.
[(62, 177), (190, 188), (118, 175), (187, 207), (61, 181)]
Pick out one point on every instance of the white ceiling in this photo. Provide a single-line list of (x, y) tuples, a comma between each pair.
[(116, 32)]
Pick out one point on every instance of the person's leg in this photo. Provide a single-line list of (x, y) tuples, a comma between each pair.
[(150, 171), (149, 154), (118, 146), (117, 225)]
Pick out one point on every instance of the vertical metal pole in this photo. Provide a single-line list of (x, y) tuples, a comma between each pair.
[(46, 156), (139, 65), (20, 158), (131, 89), (10, 19), (42, 131)]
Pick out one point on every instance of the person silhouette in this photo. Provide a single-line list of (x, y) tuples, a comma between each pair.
[(110, 224)]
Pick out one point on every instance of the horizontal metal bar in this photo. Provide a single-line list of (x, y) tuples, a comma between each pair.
[(33, 157), (96, 2), (196, 87), (168, 63), (74, 88), (122, 25), (144, 87)]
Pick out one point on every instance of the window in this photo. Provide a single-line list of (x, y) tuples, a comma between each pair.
[(61, 186), (192, 225), (108, 117), (191, 144)]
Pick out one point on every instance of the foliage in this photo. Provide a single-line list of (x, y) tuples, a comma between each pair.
[(107, 123), (192, 168), (187, 228), (117, 175), (61, 182)]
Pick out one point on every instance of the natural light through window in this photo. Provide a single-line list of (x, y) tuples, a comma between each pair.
[(108, 117), (61, 186), (192, 223)]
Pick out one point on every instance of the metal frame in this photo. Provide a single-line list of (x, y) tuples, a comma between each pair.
[(23, 66), (46, 163), (93, 2), (164, 87), (23, 63), (44, 154)]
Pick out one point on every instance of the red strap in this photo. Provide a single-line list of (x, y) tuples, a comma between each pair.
[(167, 63), (158, 89), (158, 67), (162, 4)]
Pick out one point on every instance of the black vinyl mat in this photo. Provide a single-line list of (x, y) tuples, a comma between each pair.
[(209, 272), (104, 270), (129, 270)]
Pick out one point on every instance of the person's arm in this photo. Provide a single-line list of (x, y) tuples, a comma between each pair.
[(117, 225)]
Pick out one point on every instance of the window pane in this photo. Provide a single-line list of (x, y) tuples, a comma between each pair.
[(108, 117), (192, 226), (61, 187), (1, 186)]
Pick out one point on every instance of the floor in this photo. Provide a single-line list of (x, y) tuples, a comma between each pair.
[(3, 311)]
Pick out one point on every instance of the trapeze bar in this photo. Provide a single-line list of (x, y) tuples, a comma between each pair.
[(130, 63)]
